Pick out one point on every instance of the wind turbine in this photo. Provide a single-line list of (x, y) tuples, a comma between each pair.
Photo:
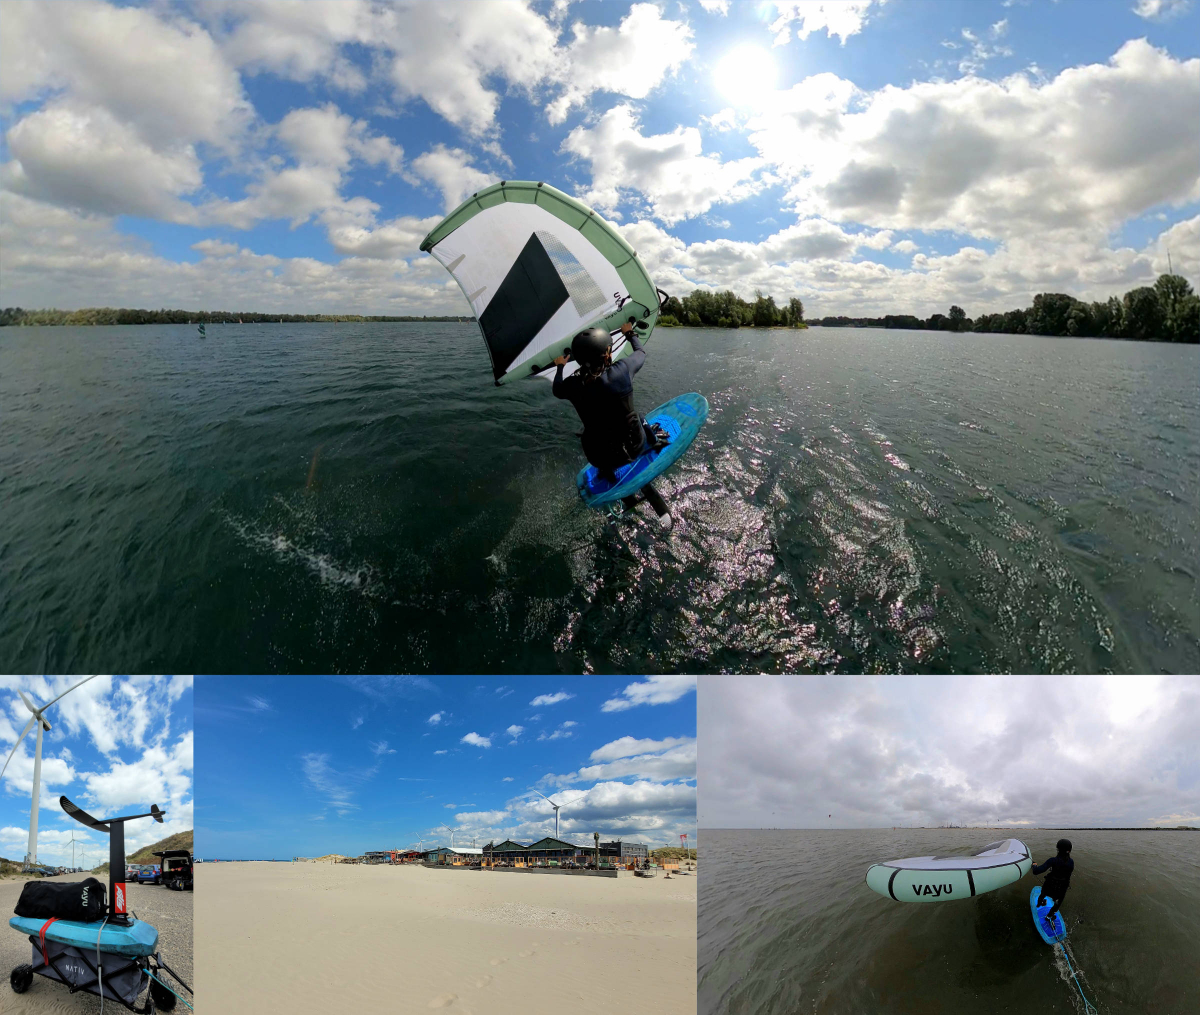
[(72, 852), (451, 831), (39, 718), (555, 806)]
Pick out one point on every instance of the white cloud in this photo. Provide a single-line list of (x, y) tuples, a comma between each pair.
[(83, 157), (720, 7), (515, 731), (842, 18), (631, 59), (669, 170), (1002, 159), (551, 699), (657, 764), (481, 817), (475, 740), (502, 40), (434, 719), (1160, 9), (441, 752), (628, 747), (300, 42), (334, 786), (905, 246), (449, 170), (380, 748), (658, 690), (328, 137), (561, 733), (507, 778)]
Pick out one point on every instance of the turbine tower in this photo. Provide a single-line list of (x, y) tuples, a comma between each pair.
[(555, 806), (39, 717)]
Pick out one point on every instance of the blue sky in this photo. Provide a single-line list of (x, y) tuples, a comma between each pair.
[(305, 766), (863, 155), (116, 746)]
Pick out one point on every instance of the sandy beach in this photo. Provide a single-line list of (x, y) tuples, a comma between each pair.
[(320, 938), (170, 912)]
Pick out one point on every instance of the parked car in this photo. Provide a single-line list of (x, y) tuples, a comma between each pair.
[(177, 868), (149, 874)]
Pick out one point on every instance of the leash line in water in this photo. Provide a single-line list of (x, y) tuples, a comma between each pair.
[(1088, 1007)]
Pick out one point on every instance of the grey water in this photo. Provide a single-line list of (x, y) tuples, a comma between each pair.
[(786, 924), (360, 497)]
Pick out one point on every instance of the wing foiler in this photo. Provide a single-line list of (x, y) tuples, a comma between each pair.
[(537, 268)]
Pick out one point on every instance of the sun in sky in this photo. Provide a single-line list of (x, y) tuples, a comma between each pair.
[(744, 74)]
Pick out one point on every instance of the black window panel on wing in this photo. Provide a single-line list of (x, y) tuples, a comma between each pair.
[(529, 296)]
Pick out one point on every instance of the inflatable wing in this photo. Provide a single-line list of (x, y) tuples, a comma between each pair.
[(537, 268), (938, 878)]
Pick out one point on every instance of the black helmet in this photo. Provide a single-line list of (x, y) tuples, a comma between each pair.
[(1063, 845), (589, 346)]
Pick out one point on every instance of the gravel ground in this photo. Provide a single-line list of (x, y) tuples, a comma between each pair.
[(170, 912)]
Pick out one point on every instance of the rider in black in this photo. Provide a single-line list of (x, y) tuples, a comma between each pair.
[(1059, 878), (602, 393)]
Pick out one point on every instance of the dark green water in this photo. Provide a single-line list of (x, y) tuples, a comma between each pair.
[(361, 498), (787, 925)]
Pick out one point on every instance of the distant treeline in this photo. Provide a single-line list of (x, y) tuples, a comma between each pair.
[(1168, 311), (700, 309), (110, 315)]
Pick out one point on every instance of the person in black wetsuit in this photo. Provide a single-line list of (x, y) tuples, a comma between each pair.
[(602, 393), (1058, 880)]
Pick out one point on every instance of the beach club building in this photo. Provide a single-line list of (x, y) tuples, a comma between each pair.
[(557, 851)]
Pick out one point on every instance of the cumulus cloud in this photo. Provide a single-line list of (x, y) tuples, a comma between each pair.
[(656, 690), (668, 170), (449, 170), (673, 759), (1087, 150), (434, 719), (551, 699), (631, 59), (475, 740), (628, 747), (789, 752), (842, 18), (515, 731)]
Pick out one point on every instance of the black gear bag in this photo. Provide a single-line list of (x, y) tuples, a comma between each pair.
[(77, 900)]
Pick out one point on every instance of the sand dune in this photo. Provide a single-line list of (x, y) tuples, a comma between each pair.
[(308, 938)]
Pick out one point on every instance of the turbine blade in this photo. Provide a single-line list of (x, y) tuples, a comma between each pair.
[(82, 816), (69, 690), (28, 727), (28, 703)]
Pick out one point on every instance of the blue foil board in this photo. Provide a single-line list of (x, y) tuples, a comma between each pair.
[(681, 418), (1059, 932), (139, 938)]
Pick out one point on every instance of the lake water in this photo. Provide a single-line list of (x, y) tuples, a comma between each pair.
[(786, 924), (342, 497)]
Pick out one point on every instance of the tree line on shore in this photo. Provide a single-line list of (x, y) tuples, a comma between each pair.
[(701, 309), (1168, 311), (15, 316)]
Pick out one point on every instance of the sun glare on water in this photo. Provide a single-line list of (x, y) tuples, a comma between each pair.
[(745, 74)]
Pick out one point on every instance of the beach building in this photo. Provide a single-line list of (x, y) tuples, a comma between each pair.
[(557, 851), (454, 855)]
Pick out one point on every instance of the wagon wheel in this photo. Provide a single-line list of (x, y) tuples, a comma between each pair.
[(163, 999), (20, 979)]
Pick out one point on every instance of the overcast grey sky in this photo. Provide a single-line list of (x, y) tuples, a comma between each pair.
[(862, 752)]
